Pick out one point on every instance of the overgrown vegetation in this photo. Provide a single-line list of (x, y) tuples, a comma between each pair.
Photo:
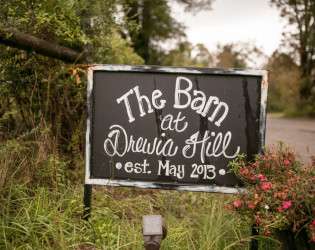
[(279, 195), (300, 15), (51, 219), (42, 129), (42, 209)]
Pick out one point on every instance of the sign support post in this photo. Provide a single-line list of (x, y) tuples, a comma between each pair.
[(87, 201)]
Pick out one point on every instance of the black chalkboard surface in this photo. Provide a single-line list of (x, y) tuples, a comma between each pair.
[(172, 128)]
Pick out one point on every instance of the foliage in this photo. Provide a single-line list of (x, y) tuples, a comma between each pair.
[(41, 209), (228, 57), (233, 55), (185, 54), (195, 5), (51, 21), (42, 129), (45, 218), (31, 160), (279, 191), (238, 55), (156, 25), (300, 15), (40, 92), (283, 90)]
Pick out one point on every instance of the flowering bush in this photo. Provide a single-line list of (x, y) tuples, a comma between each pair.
[(279, 191)]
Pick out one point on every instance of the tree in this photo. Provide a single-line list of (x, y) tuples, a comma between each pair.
[(234, 55), (188, 55), (40, 93), (238, 55), (301, 15), (283, 92), (228, 57), (63, 30), (156, 25)]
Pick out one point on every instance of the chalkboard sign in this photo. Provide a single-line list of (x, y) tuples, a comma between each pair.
[(172, 128)]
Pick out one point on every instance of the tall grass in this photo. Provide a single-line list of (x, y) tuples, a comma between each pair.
[(41, 209), (45, 218)]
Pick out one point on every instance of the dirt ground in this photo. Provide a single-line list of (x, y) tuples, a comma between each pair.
[(300, 134)]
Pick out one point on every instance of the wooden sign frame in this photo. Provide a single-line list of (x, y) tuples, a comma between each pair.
[(261, 76)]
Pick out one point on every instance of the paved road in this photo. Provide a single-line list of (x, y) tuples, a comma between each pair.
[(298, 133)]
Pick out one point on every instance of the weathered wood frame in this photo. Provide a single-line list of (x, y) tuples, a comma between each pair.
[(155, 69)]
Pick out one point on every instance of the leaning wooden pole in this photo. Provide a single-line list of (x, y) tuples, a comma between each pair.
[(27, 42)]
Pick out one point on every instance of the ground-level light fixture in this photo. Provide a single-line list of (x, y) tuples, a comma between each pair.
[(154, 231)]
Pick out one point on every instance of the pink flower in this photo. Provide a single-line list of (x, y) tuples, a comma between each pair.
[(279, 208), (267, 164), (266, 186), (286, 162), (252, 206), (245, 171), (260, 176), (313, 236), (263, 158), (267, 232), (256, 164), (229, 207), (286, 204), (237, 203), (259, 223), (264, 179), (313, 222), (256, 216)]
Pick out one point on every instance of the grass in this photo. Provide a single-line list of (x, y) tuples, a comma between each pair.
[(46, 218), (40, 208)]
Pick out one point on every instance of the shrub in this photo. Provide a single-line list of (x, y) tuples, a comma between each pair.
[(279, 191)]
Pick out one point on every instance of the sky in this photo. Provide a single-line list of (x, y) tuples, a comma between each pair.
[(232, 21)]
